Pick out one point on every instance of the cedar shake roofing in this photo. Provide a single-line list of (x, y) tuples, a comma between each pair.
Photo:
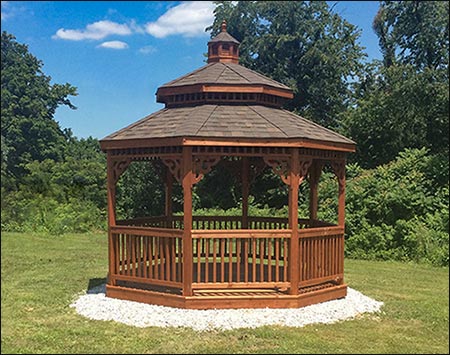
[(224, 74), (226, 121)]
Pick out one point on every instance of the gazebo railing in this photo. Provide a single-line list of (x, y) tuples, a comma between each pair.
[(226, 258), (147, 255), (321, 255), (240, 258)]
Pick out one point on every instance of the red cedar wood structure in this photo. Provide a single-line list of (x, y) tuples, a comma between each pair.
[(224, 113)]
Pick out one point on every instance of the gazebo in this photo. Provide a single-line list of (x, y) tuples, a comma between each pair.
[(224, 113)]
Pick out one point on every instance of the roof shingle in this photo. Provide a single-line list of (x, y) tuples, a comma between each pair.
[(226, 121)]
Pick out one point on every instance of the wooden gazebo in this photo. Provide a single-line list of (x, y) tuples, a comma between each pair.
[(224, 113)]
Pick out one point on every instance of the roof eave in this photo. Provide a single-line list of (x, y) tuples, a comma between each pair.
[(108, 144)]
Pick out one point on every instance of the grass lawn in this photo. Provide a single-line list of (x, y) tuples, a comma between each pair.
[(42, 275)]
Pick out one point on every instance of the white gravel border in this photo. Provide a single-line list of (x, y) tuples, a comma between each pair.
[(95, 305)]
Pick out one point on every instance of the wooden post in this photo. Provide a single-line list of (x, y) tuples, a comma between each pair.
[(168, 202), (187, 221), (293, 221), (314, 175), (245, 191), (111, 193)]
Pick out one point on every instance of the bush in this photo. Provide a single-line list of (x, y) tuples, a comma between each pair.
[(398, 211)]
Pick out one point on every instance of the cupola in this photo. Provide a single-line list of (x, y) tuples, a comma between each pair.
[(223, 48)]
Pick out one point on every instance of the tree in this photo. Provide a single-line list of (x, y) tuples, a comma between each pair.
[(414, 32), (404, 102), (28, 104), (301, 44)]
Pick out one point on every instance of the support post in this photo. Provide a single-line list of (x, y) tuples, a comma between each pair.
[(168, 202), (187, 179), (294, 182), (245, 191), (111, 196)]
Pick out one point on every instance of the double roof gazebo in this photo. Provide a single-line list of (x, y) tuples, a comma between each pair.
[(224, 113)]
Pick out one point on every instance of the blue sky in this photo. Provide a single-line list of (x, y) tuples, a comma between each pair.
[(117, 53)]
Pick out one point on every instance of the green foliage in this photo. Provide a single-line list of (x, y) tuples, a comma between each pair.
[(304, 45), (396, 212), (399, 108), (414, 32), (404, 103), (28, 103), (59, 197), (140, 191), (48, 215)]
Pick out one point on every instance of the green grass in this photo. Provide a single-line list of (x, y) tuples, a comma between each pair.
[(41, 275)]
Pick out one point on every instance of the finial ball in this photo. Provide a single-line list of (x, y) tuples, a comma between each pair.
[(224, 26)]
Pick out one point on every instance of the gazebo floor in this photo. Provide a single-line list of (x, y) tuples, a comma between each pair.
[(227, 298)]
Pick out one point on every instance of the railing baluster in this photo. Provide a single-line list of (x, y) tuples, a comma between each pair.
[(285, 260), (238, 259), (277, 260), (261, 259), (206, 260), (214, 260), (222, 259), (199, 261), (123, 247), (230, 260), (253, 260), (269, 259)]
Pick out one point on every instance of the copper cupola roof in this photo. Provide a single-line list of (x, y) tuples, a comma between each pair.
[(224, 100)]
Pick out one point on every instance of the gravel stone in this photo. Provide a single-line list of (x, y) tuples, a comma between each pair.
[(95, 305)]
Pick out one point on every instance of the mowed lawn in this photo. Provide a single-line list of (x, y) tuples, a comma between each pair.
[(41, 275)]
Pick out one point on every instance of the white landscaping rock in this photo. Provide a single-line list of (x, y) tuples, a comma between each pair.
[(95, 305)]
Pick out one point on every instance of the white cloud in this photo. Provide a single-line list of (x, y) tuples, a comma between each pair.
[(8, 10), (189, 19), (113, 45), (148, 50), (5, 10), (96, 30)]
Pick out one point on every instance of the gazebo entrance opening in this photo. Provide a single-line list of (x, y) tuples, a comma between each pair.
[(225, 113)]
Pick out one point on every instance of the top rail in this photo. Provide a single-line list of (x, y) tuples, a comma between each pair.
[(148, 231), (242, 233)]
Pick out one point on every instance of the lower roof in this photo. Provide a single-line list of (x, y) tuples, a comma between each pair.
[(226, 122)]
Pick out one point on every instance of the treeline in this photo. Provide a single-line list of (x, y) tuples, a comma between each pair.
[(397, 110)]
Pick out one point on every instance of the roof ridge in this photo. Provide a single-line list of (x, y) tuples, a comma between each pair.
[(227, 65), (318, 125), (273, 124), (224, 67), (210, 114)]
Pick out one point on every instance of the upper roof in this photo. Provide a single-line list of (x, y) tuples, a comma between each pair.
[(224, 37), (224, 74), (226, 121), (227, 103)]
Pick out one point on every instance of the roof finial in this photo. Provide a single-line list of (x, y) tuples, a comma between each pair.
[(224, 26)]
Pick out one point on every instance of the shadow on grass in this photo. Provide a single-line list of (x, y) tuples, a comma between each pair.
[(96, 285)]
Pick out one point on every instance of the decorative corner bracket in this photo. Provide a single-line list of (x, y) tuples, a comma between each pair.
[(338, 167), (280, 166), (202, 165), (174, 165), (118, 167)]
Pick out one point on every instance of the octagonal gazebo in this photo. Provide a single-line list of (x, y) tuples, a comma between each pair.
[(224, 113)]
